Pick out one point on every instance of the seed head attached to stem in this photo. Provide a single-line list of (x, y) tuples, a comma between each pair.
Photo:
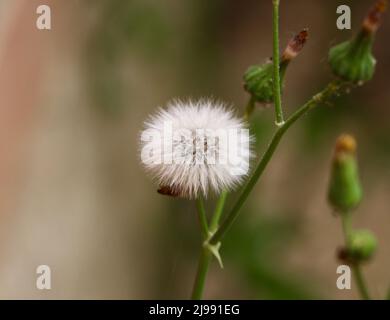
[(191, 148)]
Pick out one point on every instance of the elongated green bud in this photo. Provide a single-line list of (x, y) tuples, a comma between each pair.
[(362, 245), (344, 192), (352, 60), (258, 79)]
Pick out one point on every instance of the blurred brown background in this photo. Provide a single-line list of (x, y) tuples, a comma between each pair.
[(74, 196)]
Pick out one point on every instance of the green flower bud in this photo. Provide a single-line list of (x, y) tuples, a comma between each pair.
[(362, 245), (344, 192), (352, 60), (258, 79)]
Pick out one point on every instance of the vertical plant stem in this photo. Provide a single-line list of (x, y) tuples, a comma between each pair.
[(347, 228), (276, 63), (356, 268), (202, 218), (200, 280), (359, 279), (205, 254)]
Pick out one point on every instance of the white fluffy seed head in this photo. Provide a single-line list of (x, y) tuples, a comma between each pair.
[(192, 148)]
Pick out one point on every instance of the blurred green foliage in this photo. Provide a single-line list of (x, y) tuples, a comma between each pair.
[(253, 248), (256, 246), (122, 27)]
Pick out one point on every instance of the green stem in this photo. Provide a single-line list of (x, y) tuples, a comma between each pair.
[(202, 218), (356, 269), (218, 211), (347, 228), (276, 82), (200, 280), (332, 89), (360, 282), (205, 255), (250, 107)]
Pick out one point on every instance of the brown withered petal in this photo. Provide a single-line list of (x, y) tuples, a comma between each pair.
[(295, 45), (168, 191), (373, 19), (345, 143), (343, 255)]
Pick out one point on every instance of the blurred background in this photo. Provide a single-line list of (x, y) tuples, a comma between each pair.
[(74, 196)]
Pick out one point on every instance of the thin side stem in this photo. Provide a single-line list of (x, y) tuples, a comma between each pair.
[(276, 63), (202, 218), (218, 211), (332, 89), (347, 228), (250, 107)]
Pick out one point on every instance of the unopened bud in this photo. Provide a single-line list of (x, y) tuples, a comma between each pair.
[(258, 79), (362, 245), (352, 60), (258, 82), (345, 191)]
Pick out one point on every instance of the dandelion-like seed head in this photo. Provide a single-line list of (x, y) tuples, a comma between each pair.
[(191, 148)]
